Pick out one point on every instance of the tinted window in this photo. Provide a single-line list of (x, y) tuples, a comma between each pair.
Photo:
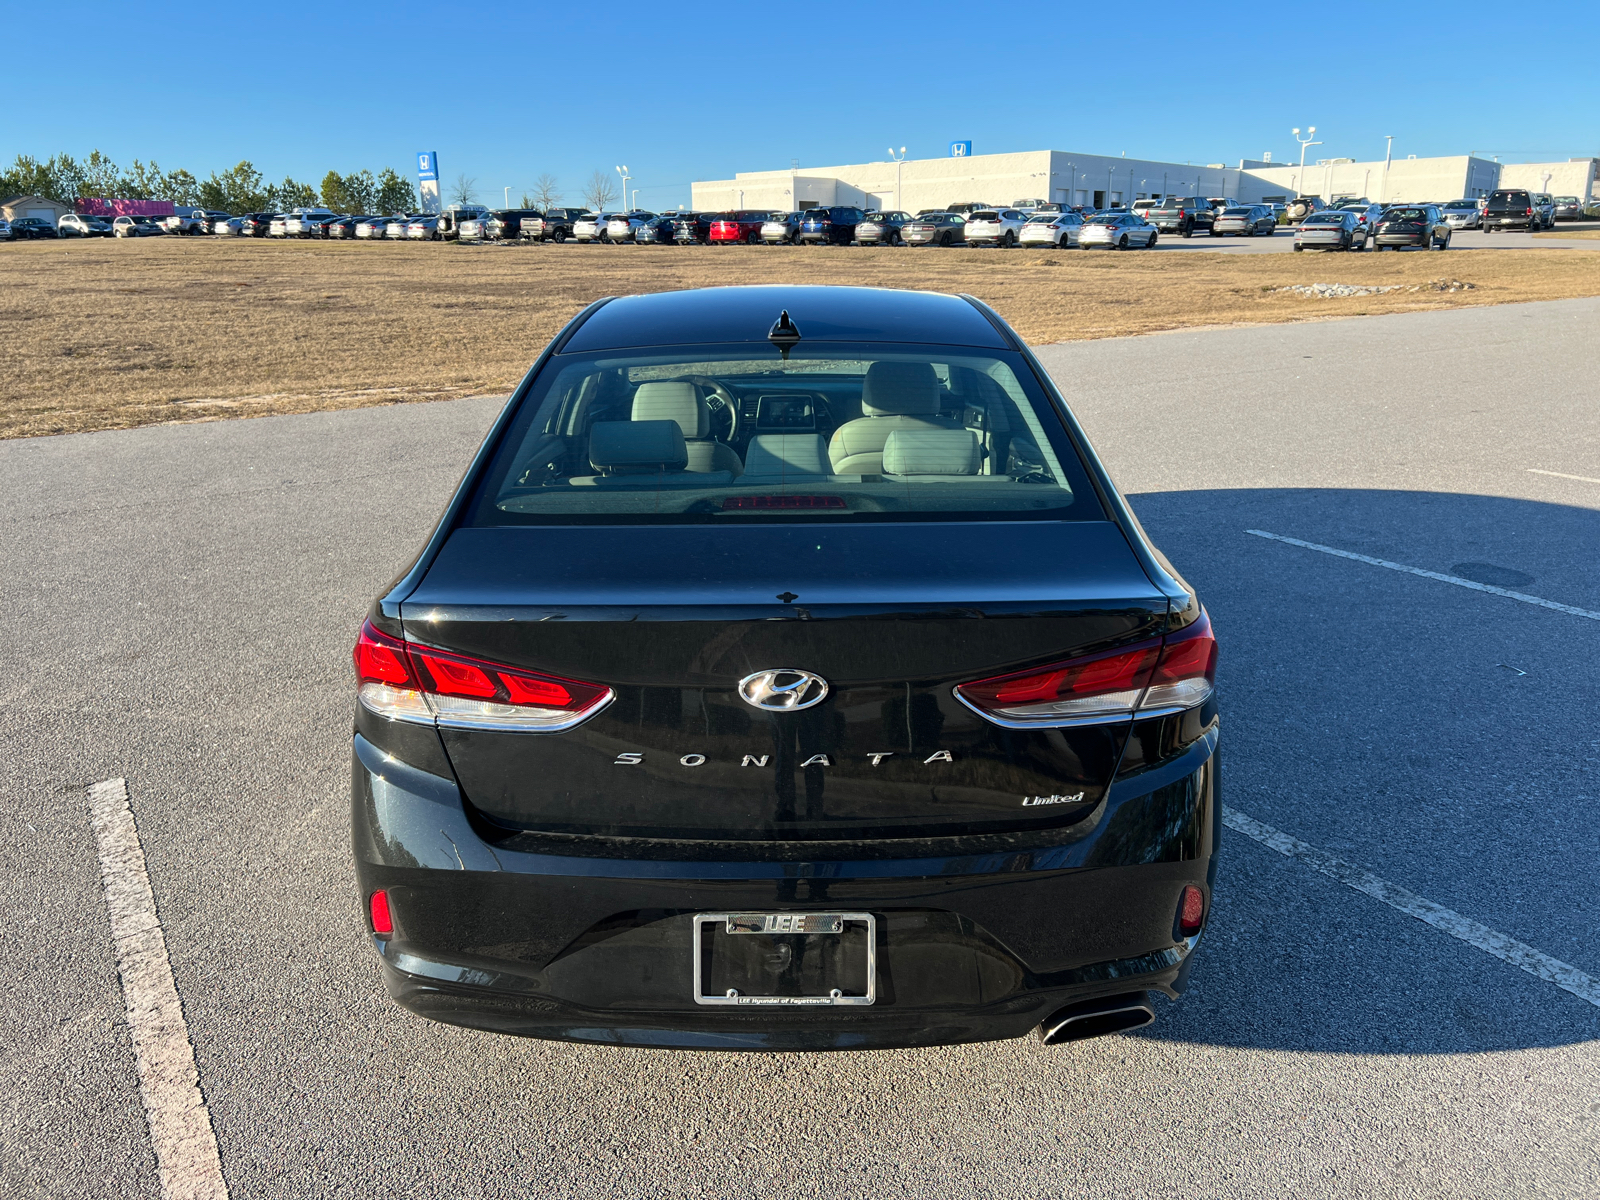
[(1406, 214), (973, 438)]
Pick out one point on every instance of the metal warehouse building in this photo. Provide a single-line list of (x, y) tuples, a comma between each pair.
[(1101, 180)]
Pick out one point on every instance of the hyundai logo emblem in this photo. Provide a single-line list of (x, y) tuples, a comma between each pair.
[(783, 690)]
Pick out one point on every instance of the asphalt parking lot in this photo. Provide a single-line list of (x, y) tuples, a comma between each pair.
[(178, 608)]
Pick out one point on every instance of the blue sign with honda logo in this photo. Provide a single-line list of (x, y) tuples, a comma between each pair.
[(427, 164), (960, 149)]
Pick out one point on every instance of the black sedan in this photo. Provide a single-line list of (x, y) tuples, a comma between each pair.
[(786, 673), (33, 228), (1419, 225)]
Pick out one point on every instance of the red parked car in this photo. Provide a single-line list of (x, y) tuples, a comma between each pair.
[(743, 226)]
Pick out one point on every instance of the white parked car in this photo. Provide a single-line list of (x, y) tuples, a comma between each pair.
[(995, 226), (306, 222), (474, 229), (1056, 229), (1117, 231), (398, 229), (591, 226), (227, 226), (620, 226), (278, 227), (375, 227)]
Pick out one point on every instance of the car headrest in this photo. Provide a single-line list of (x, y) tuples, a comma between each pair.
[(931, 452), (678, 402), (787, 454), (636, 447), (900, 389)]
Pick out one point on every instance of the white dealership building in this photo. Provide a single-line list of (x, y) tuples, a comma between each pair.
[(1102, 181)]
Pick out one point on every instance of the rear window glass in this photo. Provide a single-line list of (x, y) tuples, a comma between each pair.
[(1325, 218), (852, 433), (1405, 214), (1236, 212), (983, 215), (1511, 197), (1462, 204)]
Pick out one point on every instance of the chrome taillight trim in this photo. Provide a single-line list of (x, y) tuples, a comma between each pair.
[(1108, 718)]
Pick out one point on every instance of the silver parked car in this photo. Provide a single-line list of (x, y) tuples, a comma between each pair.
[(1463, 214), (374, 227), (397, 229), (1117, 231), (80, 225), (1331, 229), (1569, 208), (423, 229), (995, 226), (1245, 220), (1054, 229)]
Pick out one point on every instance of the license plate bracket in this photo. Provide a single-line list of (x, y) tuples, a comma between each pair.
[(793, 959)]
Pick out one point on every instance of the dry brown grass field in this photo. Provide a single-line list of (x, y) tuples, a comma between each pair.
[(104, 335)]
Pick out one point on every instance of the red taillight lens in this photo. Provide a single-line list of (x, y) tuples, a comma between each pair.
[(378, 910), (1527, 212), (382, 659), (1191, 911), (408, 682), (1150, 678)]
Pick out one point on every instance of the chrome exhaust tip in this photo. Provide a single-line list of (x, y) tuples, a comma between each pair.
[(1095, 1018)]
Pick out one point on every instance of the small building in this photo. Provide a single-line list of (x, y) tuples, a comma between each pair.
[(14, 208), (1575, 177)]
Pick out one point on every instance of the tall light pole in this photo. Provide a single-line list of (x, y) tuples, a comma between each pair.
[(897, 164), (1304, 142), (1388, 154), (508, 197), (626, 179)]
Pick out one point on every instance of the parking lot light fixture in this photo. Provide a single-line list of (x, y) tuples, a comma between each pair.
[(898, 161), (1304, 142), (626, 179)]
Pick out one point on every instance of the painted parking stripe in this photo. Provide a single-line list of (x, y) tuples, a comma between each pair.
[(1491, 941), (1562, 475), (1442, 578), (180, 1124)]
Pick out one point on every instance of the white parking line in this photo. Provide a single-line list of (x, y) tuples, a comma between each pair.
[(1535, 962), (1452, 579), (1562, 475), (169, 1084)]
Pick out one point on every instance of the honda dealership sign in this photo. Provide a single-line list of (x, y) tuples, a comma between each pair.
[(960, 149), (428, 179)]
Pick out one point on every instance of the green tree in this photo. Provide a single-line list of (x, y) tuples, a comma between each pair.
[(395, 195), (180, 187), (30, 177), (361, 192), (236, 191), (99, 177), (334, 195), (291, 193)]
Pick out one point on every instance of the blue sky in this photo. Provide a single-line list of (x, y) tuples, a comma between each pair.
[(683, 92)]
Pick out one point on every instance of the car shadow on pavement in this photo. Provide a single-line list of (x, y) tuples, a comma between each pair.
[(1440, 737)]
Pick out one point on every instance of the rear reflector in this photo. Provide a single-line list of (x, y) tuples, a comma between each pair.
[(378, 909), (407, 682), (733, 502), (1149, 679), (1191, 911)]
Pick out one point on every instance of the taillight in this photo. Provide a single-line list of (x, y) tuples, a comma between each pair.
[(1191, 911), (1527, 212), (378, 911), (1149, 679), (408, 682)]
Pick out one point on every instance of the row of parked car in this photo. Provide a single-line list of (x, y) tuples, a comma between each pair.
[(1024, 223)]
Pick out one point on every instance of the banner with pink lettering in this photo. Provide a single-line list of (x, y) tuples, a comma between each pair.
[(125, 208)]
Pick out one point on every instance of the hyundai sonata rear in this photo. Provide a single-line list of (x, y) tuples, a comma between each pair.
[(786, 673)]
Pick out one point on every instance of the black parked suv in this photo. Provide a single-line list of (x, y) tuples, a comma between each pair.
[(1511, 208), (833, 226), (255, 224)]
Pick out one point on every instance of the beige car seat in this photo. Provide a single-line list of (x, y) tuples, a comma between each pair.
[(683, 403), (894, 396)]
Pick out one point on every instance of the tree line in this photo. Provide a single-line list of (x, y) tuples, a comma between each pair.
[(240, 189)]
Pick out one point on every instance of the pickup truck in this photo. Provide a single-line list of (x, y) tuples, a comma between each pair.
[(1182, 216), (188, 220)]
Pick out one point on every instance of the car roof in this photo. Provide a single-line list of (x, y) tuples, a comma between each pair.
[(746, 314)]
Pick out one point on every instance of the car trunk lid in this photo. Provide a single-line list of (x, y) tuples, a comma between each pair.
[(892, 616)]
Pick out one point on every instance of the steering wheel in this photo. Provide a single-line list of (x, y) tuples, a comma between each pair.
[(724, 409)]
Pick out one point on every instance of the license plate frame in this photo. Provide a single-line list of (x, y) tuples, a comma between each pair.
[(790, 925)]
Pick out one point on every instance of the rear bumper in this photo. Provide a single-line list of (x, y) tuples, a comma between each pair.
[(970, 947)]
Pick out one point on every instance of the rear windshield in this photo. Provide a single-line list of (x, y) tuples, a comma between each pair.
[(1405, 214), (843, 432), (983, 215), (1462, 204), (1236, 212), (1509, 197), (1325, 218)]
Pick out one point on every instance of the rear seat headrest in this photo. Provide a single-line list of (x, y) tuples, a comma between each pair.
[(677, 401), (932, 452), (900, 389), (787, 454), (635, 447)]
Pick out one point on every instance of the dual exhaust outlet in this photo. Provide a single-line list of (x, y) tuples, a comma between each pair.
[(1095, 1018)]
